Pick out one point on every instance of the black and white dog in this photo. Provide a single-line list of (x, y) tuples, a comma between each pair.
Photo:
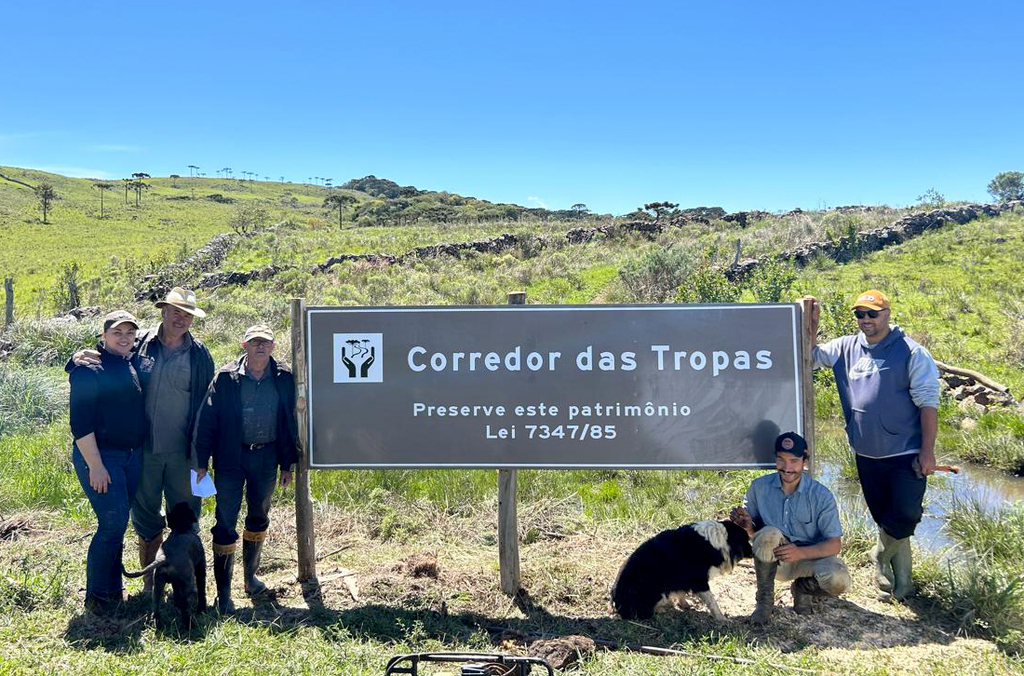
[(676, 562)]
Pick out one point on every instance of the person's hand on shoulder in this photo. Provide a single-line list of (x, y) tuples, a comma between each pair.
[(85, 357)]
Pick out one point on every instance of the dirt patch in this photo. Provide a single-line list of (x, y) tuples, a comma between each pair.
[(564, 651), (13, 528), (423, 564)]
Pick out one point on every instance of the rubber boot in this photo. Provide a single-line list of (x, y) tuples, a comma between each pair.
[(251, 552), (804, 590), (147, 552), (902, 565), (222, 565), (765, 597), (881, 555)]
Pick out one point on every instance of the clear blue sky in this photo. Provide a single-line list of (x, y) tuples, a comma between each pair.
[(768, 105)]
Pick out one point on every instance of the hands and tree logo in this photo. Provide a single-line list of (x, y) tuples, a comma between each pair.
[(358, 357)]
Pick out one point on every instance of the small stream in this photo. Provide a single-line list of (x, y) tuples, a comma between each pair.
[(989, 487)]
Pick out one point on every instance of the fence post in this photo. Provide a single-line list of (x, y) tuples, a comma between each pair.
[(508, 525), (303, 502), (9, 292), (807, 344)]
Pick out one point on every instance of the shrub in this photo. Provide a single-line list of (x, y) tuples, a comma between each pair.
[(771, 281), (708, 284), (250, 218), (655, 276)]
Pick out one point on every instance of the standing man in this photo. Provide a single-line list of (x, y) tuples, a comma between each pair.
[(247, 425), (798, 534), (174, 369), (889, 389)]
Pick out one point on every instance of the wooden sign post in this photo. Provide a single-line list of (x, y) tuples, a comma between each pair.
[(808, 341), (303, 501), (9, 305), (508, 523)]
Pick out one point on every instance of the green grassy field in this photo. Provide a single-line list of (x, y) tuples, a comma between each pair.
[(955, 290)]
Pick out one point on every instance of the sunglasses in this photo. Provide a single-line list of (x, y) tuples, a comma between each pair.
[(861, 314)]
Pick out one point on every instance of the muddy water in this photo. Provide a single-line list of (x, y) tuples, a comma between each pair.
[(988, 487)]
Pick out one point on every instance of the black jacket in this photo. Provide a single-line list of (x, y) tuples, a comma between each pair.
[(219, 430), (106, 399), (148, 346)]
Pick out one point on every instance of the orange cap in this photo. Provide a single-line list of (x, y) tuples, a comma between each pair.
[(872, 299)]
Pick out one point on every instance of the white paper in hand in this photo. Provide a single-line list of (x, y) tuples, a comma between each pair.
[(204, 488)]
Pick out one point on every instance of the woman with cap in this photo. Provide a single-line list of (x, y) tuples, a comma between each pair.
[(108, 422)]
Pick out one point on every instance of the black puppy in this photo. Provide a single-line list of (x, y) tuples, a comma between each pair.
[(676, 562), (181, 561)]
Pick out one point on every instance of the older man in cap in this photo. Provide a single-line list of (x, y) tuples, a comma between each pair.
[(798, 536), (889, 390), (247, 426), (174, 369)]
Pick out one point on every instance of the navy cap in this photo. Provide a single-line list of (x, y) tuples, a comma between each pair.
[(791, 442)]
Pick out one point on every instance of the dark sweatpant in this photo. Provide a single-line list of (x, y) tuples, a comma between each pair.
[(893, 491), (256, 479)]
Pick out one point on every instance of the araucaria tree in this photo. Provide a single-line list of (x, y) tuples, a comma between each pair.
[(138, 186), (1007, 186), (580, 209), (339, 202), (102, 187), (46, 195), (659, 208)]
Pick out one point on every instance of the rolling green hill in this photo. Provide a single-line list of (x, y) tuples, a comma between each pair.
[(956, 289)]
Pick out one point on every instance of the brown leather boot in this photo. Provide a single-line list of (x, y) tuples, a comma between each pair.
[(147, 552)]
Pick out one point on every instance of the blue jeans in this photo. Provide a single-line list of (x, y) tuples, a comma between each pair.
[(256, 478), (103, 563)]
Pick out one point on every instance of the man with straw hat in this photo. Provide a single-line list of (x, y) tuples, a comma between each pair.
[(174, 369)]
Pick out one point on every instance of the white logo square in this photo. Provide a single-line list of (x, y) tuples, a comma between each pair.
[(358, 358)]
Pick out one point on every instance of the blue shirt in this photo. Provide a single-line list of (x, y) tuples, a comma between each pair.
[(806, 516)]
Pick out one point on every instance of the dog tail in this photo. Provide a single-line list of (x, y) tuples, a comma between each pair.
[(139, 573)]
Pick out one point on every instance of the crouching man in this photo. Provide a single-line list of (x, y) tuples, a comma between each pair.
[(798, 535), (247, 426)]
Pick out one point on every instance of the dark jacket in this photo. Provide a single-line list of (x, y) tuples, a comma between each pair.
[(106, 399), (148, 346), (219, 430)]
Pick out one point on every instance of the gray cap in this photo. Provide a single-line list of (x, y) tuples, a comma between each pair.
[(118, 317), (258, 331)]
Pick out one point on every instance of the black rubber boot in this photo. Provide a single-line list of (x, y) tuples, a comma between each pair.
[(222, 565), (251, 552), (804, 590), (765, 591)]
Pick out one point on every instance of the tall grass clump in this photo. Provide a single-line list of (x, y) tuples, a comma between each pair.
[(983, 589), (50, 342), (997, 441), (37, 472), (29, 398)]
